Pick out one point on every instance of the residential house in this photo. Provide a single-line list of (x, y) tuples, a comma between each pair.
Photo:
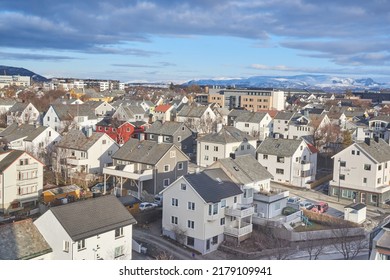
[(6, 104), (380, 244), (62, 117), (227, 141), (92, 229), (172, 132), (203, 209), (84, 152), (149, 166), (361, 172), (164, 113), (200, 119), (22, 240), (130, 113), (23, 113), (120, 131), (379, 126), (256, 124), (21, 181), (37, 140), (102, 109), (255, 182), (288, 160)]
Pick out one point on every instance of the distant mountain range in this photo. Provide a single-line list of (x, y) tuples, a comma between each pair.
[(323, 82), (15, 71)]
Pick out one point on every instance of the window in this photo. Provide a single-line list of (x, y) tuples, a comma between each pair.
[(265, 156), (190, 241), (364, 180), (118, 252), (357, 152), (190, 224), (215, 158), (119, 232), (347, 194), (180, 166), (242, 147), (215, 148), (374, 198), (178, 138), (353, 152), (343, 163), (175, 202), (235, 199), (223, 203), (166, 182), (379, 180), (191, 205), (49, 133), (183, 187), (206, 147), (166, 168), (342, 177), (81, 244), (213, 209), (280, 159), (379, 167), (206, 157), (172, 154), (367, 167), (222, 221), (104, 142), (214, 240), (279, 171), (248, 147), (65, 246), (128, 129), (247, 125), (174, 220), (48, 119)]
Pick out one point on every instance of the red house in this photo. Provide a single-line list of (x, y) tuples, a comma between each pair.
[(120, 131)]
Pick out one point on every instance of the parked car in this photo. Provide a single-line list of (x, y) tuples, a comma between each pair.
[(147, 205), (293, 200), (99, 187), (306, 205), (158, 199), (320, 207)]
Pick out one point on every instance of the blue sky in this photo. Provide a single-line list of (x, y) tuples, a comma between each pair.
[(181, 40)]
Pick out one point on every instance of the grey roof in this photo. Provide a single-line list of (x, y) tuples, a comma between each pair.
[(279, 147), (10, 157), (384, 118), (213, 185), (356, 206), (91, 217), (27, 131), (77, 140), (146, 151), (22, 241), (133, 110), (380, 150), (227, 134), (250, 117), (149, 103), (7, 102), (192, 111), (384, 240), (245, 169), (166, 128), (18, 107), (284, 116), (70, 111)]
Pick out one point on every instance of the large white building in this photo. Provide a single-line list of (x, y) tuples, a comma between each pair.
[(93, 229), (361, 172), (288, 160), (6, 80), (200, 210)]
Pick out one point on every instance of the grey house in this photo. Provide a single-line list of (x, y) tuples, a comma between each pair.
[(148, 165), (172, 132)]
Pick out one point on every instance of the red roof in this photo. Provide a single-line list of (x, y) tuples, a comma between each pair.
[(312, 149), (272, 113), (162, 108)]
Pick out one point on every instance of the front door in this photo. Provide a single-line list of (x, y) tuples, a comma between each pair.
[(363, 198)]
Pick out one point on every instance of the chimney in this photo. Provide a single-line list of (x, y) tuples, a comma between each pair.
[(197, 170), (160, 139), (367, 141), (88, 131), (376, 139)]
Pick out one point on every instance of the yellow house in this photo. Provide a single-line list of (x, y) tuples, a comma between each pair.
[(61, 192)]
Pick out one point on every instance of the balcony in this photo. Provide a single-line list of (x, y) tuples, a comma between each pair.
[(271, 196), (302, 165), (239, 212), (129, 171), (247, 200), (238, 232), (27, 167), (77, 161)]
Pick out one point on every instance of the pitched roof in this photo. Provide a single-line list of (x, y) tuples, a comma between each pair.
[(18, 107), (7, 102), (380, 150), (166, 128), (162, 108), (27, 131), (279, 147), (22, 241), (227, 134), (250, 117), (145, 151), (192, 111), (385, 118), (77, 140), (70, 111), (91, 217), (213, 185), (10, 157), (245, 169), (284, 116)]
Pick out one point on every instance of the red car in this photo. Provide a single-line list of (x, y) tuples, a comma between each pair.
[(320, 207)]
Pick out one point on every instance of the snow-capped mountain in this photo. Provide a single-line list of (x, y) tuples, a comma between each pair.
[(325, 82)]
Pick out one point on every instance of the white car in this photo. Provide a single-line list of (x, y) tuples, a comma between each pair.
[(293, 200), (306, 205), (147, 205)]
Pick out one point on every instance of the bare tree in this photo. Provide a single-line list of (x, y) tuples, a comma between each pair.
[(348, 245), (180, 234), (313, 247), (281, 248), (164, 256)]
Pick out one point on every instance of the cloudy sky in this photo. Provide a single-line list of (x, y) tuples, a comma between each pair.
[(180, 40)]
